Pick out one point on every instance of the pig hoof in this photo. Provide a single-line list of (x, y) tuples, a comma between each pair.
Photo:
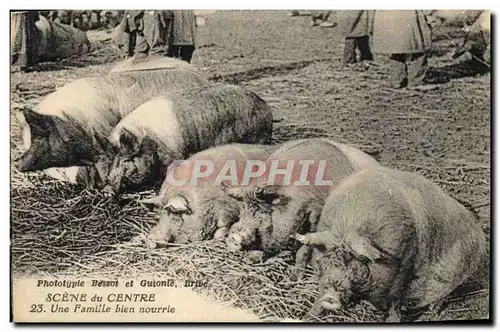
[(234, 242), (296, 274), (254, 257), (301, 238)]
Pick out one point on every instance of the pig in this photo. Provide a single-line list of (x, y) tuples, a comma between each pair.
[(272, 213), (177, 125), (57, 41), (144, 64), (477, 41), (395, 239), (201, 211), (67, 125)]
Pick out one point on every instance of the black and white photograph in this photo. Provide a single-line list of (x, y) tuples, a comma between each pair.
[(271, 166)]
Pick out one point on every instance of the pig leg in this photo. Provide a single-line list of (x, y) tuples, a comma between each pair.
[(314, 213), (425, 292), (254, 256), (226, 218), (158, 234), (89, 176), (400, 283), (394, 314), (302, 257), (319, 238)]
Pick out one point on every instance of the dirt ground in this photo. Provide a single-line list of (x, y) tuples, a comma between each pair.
[(443, 134)]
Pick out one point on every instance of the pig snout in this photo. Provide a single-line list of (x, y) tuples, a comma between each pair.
[(330, 301), (238, 241), (26, 162), (21, 164), (234, 242)]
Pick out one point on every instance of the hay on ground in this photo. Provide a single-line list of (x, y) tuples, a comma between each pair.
[(61, 230)]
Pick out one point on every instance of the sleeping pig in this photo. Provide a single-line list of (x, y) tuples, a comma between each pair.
[(273, 212), (394, 239), (201, 210), (177, 125), (65, 127)]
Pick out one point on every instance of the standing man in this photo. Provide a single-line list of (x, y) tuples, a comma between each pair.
[(24, 38), (406, 36), (356, 27), (183, 35), (150, 31)]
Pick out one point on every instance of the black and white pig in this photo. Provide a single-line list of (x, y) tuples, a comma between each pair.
[(201, 210), (62, 130), (394, 239), (274, 212), (177, 125)]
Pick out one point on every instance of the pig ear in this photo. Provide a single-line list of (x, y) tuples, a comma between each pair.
[(237, 193), (319, 239), (38, 122), (178, 205), (271, 194), (129, 142), (362, 247)]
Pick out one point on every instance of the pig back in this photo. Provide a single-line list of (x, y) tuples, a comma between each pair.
[(389, 197), (149, 84), (205, 189), (220, 114), (340, 161), (143, 63), (358, 159), (99, 103), (91, 103)]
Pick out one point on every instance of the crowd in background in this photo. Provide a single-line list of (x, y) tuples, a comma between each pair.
[(404, 35), (164, 32), (85, 19), (136, 32)]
